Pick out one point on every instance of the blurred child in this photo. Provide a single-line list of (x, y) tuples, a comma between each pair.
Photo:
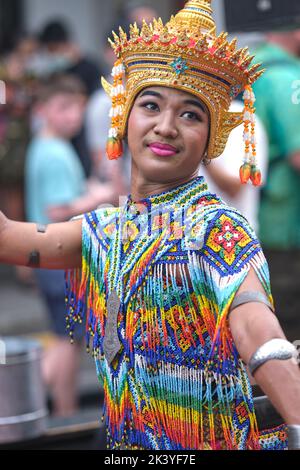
[(63, 54), (55, 178)]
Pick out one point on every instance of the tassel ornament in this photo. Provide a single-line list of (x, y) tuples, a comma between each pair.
[(249, 171), (114, 147)]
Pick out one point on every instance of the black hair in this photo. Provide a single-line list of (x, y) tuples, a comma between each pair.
[(55, 32)]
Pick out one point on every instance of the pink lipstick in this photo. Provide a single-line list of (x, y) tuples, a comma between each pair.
[(163, 150)]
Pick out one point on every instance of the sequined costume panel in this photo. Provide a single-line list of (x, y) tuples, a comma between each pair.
[(175, 261)]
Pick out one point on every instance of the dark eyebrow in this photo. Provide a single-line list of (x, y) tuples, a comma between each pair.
[(191, 102), (151, 93), (196, 103)]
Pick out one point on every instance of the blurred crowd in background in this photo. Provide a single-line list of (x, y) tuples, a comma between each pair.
[(53, 130)]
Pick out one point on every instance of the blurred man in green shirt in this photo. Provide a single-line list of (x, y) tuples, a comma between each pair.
[(278, 105)]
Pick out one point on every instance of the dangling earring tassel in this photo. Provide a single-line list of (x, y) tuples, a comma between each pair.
[(114, 147), (255, 176), (245, 170), (255, 171), (245, 173), (249, 170)]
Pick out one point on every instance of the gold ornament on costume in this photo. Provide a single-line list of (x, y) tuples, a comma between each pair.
[(185, 54)]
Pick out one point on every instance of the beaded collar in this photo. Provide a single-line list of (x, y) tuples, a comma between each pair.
[(166, 200)]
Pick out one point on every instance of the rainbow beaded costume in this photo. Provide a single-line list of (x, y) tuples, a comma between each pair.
[(176, 261)]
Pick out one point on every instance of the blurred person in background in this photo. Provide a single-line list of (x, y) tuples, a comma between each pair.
[(14, 125), (221, 174), (139, 10), (26, 48), (278, 106), (15, 130), (62, 54), (56, 190)]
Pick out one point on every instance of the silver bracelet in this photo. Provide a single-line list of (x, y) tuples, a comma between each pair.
[(274, 349), (293, 436)]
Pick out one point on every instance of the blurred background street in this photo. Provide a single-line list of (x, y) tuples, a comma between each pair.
[(23, 313)]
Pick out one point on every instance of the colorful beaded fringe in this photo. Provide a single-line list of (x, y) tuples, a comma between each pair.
[(178, 381)]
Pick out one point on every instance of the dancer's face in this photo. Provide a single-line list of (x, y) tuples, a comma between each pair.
[(168, 132)]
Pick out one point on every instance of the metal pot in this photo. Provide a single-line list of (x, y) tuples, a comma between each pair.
[(22, 395)]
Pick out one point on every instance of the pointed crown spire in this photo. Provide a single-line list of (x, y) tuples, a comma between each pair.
[(196, 16)]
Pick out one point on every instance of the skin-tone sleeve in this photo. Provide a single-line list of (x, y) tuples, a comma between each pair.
[(58, 248)]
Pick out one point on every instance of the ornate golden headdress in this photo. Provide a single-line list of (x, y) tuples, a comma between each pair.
[(186, 54)]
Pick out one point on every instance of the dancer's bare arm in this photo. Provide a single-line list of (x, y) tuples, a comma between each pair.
[(58, 248), (252, 325)]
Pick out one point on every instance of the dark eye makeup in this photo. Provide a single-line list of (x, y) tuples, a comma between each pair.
[(150, 105), (191, 115)]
